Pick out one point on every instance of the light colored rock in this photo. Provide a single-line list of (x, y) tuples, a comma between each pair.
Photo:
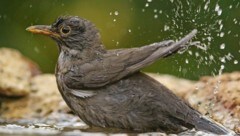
[(15, 73), (43, 100), (219, 98)]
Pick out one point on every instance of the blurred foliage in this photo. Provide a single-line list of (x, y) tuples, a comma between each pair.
[(133, 23)]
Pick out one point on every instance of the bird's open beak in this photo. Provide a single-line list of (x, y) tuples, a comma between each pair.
[(42, 29)]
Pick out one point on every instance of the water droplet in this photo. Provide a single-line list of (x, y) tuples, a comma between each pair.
[(205, 58), (209, 39), (155, 10), (219, 21), (223, 60), (129, 30), (166, 27), (221, 34), (222, 66), (180, 69), (222, 46), (190, 52), (110, 13), (221, 26), (218, 10), (229, 56), (116, 13), (211, 57), (155, 16), (160, 11), (206, 5), (114, 20), (146, 5), (149, 0), (197, 54), (235, 21), (221, 70), (186, 61), (235, 62), (30, 6)]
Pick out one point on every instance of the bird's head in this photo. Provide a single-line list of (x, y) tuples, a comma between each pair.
[(71, 33)]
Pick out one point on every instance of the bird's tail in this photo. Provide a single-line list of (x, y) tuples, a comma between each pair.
[(205, 124)]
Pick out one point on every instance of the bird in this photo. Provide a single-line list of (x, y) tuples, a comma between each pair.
[(106, 88)]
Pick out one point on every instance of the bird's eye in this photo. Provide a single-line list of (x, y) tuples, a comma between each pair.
[(65, 30)]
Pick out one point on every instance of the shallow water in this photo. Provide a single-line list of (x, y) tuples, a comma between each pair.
[(44, 129), (61, 124)]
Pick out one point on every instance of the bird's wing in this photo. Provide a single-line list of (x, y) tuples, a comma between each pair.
[(117, 64)]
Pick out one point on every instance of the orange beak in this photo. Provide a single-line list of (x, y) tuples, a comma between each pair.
[(42, 29)]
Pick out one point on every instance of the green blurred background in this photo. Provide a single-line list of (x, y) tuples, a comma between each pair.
[(133, 23)]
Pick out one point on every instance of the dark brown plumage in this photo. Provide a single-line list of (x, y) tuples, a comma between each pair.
[(105, 88)]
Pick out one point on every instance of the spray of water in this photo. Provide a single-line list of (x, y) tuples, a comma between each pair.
[(214, 25)]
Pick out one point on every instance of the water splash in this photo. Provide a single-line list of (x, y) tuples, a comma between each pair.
[(207, 17)]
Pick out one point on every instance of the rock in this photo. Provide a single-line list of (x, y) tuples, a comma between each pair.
[(43, 100), (15, 72), (219, 98)]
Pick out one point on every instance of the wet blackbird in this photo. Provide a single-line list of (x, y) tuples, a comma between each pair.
[(105, 87)]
